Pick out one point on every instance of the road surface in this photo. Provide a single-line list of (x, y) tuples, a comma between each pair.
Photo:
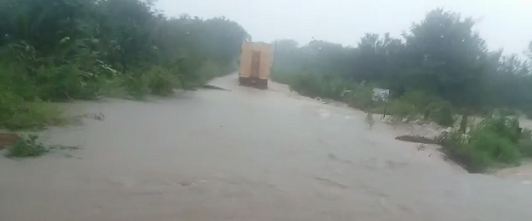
[(245, 155)]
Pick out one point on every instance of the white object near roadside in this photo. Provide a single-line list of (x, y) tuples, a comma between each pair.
[(380, 94)]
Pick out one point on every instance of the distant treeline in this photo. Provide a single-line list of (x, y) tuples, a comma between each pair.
[(440, 56)]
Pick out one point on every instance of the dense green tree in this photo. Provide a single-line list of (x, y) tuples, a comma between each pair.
[(450, 55)]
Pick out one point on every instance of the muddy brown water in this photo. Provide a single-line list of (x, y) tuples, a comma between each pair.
[(245, 155)]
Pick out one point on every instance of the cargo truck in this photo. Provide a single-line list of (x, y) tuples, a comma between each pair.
[(255, 62)]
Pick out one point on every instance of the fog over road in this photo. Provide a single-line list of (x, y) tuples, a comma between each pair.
[(245, 155)]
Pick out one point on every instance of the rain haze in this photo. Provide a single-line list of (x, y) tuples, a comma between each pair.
[(503, 24), (111, 112)]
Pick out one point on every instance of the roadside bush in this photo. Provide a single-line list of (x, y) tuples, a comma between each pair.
[(525, 147), (441, 112), (419, 99), (497, 147), (14, 79), (324, 86), (402, 110), (309, 84), (412, 105), (136, 85), (27, 146), (360, 96), (209, 70), (59, 83), (284, 76), (161, 82), (494, 142), (17, 114), (115, 86)]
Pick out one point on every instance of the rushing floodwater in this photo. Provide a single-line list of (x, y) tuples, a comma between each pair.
[(245, 155)]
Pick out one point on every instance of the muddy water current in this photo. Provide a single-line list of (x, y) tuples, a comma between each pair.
[(245, 155)]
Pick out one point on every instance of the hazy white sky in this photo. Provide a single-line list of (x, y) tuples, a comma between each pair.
[(504, 23)]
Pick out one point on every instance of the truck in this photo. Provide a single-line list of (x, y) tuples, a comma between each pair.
[(255, 61)]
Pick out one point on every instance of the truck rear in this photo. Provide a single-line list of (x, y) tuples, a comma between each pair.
[(255, 62)]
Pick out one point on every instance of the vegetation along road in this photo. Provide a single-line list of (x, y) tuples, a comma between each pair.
[(104, 118)]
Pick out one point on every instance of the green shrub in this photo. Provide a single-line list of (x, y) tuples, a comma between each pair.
[(50, 79), (402, 109), (27, 146), (470, 159), (161, 82), (17, 114), (136, 85), (316, 85), (284, 76), (115, 86), (411, 105), (441, 112), (14, 78), (505, 127), (207, 71), (495, 145), (308, 84), (360, 97), (420, 99), (525, 147), (414, 104), (65, 82), (492, 143), (325, 86)]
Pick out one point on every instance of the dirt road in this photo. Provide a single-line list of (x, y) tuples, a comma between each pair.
[(245, 155)]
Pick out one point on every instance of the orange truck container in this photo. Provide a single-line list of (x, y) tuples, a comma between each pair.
[(255, 61)]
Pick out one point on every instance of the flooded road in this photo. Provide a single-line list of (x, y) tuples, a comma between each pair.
[(245, 155)]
